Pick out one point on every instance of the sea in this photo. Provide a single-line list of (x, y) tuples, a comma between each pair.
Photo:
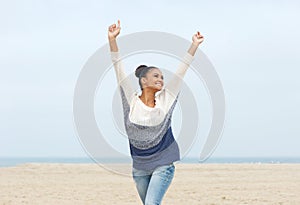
[(15, 161)]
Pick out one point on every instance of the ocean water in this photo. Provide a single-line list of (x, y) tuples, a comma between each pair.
[(14, 161)]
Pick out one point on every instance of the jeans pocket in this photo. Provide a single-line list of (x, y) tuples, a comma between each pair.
[(166, 172), (171, 169)]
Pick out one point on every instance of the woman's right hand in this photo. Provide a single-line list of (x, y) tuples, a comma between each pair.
[(114, 30)]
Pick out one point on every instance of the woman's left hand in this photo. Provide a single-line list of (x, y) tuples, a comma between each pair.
[(197, 38)]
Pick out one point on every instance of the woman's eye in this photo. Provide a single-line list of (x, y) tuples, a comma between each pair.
[(157, 76)]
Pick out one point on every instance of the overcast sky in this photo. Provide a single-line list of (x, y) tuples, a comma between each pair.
[(253, 45)]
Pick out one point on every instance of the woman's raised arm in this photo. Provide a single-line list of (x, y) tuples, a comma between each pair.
[(113, 32), (197, 40), (122, 78), (173, 86)]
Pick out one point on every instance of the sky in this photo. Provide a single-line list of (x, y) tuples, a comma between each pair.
[(253, 45)]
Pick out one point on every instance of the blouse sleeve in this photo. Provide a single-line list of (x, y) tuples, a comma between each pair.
[(122, 79), (173, 86)]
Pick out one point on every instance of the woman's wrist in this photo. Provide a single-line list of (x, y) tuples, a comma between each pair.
[(111, 38), (195, 44)]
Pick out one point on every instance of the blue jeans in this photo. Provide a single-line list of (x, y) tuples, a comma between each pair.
[(152, 185)]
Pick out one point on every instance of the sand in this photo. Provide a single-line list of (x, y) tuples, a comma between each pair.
[(207, 184)]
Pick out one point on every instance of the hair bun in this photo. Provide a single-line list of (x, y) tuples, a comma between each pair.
[(139, 69)]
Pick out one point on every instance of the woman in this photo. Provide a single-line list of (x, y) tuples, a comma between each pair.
[(147, 120)]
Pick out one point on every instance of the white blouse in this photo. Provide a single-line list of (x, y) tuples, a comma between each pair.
[(140, 113)]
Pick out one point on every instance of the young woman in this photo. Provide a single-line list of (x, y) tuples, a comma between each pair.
[(147, 120)]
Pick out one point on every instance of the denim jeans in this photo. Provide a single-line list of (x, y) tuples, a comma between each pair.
[(152, 185)]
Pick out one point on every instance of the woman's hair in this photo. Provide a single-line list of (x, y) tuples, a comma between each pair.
[(141, 72)]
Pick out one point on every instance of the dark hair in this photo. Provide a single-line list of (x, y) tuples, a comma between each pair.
[(141, 71)]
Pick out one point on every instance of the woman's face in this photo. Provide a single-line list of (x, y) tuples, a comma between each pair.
[(154, 79)]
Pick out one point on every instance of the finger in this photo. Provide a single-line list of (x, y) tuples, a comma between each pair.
[(119, 23), (199, 35)]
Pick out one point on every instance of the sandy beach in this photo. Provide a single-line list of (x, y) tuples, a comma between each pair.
[(207, 184)]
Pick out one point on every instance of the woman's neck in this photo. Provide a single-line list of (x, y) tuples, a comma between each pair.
[(148, 97)]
